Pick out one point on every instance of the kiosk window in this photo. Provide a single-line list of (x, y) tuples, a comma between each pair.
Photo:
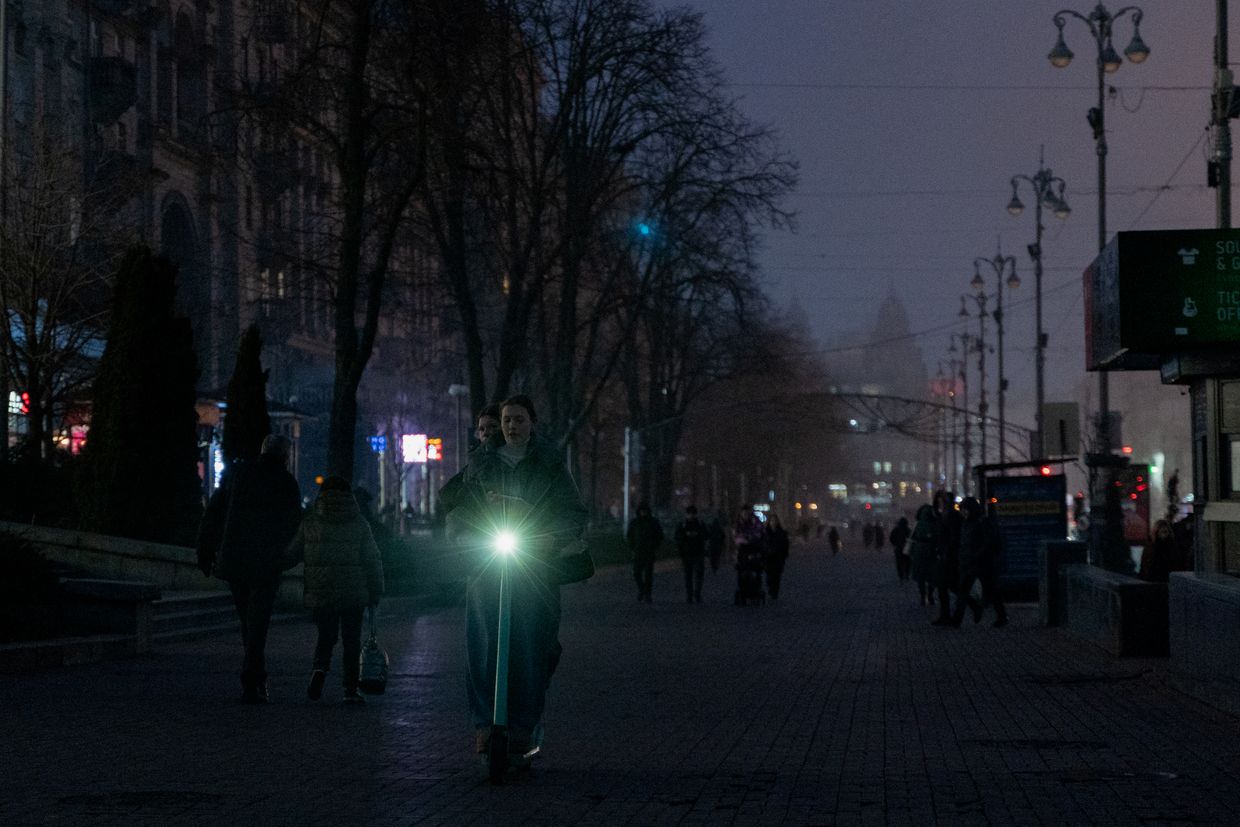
[(1229, 436)]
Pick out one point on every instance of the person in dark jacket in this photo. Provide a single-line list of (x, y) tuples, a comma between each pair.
[(343, 576), (980, 549), (1161, 554), (924, 541), (776, 554), (521, 485), (899, 536), (947, 554), (247, 526), (833, 539), (486, 429), (691, 536), (716, 539), (644, 537)]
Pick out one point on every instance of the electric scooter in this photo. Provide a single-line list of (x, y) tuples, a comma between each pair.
[(498, 759)]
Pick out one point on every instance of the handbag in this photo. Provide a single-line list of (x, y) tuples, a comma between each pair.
[(374, 663), (572, 568)]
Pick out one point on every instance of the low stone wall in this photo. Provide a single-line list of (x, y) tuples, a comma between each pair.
[(172, 568), (1054, 555), (1205, 625), (1122, 614)]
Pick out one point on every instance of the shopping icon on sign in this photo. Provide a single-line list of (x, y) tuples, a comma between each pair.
[(1190, 308), (1188, 256)]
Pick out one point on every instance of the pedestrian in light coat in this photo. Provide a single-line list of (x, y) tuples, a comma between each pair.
[(343, 575)]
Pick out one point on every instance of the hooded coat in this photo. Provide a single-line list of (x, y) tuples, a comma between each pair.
[(924, 541), (980, 543), (343, 566)]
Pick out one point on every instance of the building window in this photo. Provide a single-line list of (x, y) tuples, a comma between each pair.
[(1229, 437)]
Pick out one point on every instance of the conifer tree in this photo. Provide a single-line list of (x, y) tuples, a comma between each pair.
[(141, 454), (245, 420)]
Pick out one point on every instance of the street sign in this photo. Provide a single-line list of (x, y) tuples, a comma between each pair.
[(434, 449), (1061, 425), (378, 444), (413, 447), (1154, 293)]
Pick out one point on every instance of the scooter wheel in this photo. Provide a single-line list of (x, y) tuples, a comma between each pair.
[(497, 756)]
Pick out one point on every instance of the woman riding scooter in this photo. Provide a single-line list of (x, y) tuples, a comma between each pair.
[(519, 489)]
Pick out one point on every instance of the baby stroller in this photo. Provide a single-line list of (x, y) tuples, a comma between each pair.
[(749, 570)]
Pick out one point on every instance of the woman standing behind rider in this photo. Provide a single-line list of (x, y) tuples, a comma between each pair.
[(520, 484)]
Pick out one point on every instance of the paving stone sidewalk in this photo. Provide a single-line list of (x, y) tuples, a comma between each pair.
[(840, 704)]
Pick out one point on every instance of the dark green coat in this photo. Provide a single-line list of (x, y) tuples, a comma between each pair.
[(924, 543), (536, 499)]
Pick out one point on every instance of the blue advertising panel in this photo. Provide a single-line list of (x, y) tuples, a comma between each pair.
[(1029, 510)]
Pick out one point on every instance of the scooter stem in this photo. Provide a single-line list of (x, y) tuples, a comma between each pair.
[(499, 715)]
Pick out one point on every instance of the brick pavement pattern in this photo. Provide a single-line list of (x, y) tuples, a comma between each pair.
[(838, 705)]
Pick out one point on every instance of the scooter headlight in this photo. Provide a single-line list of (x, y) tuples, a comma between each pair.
[(506, 543)]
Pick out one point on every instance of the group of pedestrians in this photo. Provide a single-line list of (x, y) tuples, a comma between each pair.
[(950, 551), (763, 545), (254, 529)]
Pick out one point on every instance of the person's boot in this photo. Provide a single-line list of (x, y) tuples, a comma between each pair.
[(315, 690), (253, 690)]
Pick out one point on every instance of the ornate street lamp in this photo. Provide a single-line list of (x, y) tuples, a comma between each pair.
[(978, 343), (1048, 191), (1101, 24), (1001, 265)]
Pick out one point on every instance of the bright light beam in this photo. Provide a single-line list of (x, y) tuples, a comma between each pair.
[(506, 542)]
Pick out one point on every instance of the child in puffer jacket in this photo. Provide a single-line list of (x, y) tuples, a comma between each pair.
[(343, 575)]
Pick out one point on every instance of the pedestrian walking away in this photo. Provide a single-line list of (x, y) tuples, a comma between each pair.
[(245, 532), (343, 575), (519, 484), (899, 537), (776, 554), (833, 537), (691, 537), (716, 539), (644, 537), (980, 548)]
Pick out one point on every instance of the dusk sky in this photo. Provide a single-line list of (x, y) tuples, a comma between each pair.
[(909, 119)]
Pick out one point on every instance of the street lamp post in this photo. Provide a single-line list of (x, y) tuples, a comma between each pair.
[(1101, 23), (1048, 191), (1000, 264), (962, 367), (979, 344), (456, 392)]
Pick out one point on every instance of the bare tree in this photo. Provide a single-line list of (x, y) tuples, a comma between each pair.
[(61, 234), (344, 84)]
